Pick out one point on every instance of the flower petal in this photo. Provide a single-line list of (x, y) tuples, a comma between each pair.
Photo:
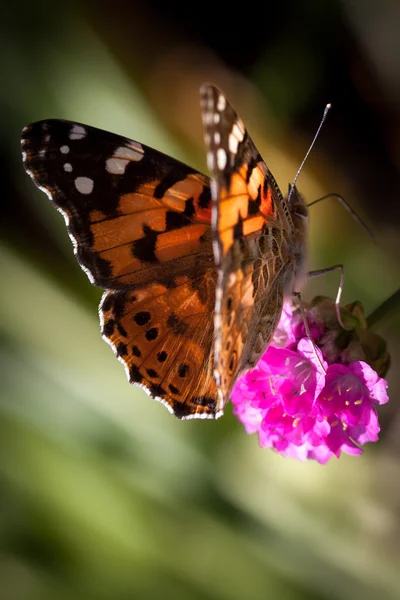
[(306, 402), (376, 385)]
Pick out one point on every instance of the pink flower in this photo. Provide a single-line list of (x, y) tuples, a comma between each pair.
[(304, 407)]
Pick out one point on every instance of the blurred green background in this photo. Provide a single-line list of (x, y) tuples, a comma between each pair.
[(103, 494)]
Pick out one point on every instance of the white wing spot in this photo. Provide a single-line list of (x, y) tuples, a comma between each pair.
[(236, 136), (217, 118), (210, 161), (238, 131), (133, 152), (217, 138), (207, 118), (221, 159), (116, 166), (233, 143), (221, 104), (47, 138), (64, 149), (122, 156), (77, 132), (68, 167), (84, 185)]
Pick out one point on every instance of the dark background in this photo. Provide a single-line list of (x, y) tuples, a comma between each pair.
[(103, 494)]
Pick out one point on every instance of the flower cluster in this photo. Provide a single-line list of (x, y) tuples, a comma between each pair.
[(312, 400)]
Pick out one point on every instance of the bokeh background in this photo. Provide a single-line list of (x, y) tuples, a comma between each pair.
[(103, 494)]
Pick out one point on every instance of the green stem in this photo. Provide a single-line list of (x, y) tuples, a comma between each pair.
[(385, 310)]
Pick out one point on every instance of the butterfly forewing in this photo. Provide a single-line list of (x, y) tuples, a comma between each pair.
[(250, 219), (140, 224), (123, 202)]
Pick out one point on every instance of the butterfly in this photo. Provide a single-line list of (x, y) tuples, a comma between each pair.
[(195, 270)]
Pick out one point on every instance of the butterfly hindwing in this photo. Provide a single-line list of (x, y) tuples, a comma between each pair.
[(140, 224), (164, 338)]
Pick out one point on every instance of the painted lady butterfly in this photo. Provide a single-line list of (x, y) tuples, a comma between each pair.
[(195, 271)]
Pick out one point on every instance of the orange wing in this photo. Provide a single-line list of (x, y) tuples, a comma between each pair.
[(128, 208), (140, 225), (251, 221), (164, 338)]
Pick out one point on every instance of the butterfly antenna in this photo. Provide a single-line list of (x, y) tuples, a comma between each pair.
[(326, 110)]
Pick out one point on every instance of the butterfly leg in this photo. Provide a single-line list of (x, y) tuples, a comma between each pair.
[(340, 268), (297, 295)]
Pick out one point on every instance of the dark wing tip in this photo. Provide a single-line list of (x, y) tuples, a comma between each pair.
[(208, 85), (209, 95)]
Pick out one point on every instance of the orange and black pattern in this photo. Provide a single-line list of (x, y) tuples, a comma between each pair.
[(140, 225), (252, 242), (194, 279)]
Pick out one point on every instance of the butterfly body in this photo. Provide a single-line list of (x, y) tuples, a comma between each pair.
[(194, 269)]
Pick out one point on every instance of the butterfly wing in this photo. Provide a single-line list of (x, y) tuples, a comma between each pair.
[(164, 337), (140, 224), (129, 209), (250, 218)]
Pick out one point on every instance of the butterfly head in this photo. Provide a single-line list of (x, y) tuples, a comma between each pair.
[(299, 213), (298, 207)]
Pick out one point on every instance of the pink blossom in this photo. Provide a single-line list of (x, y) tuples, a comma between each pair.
[(307, 408)]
